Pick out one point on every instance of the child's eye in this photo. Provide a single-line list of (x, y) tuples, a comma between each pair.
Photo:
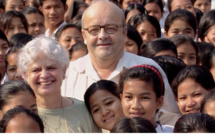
[(95, 110), (128, 97), (145, 98), (108, 103), (182, 98), (197, 94)]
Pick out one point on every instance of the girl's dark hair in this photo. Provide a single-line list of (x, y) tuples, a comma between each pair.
[(169, 2), (77, 46), (133, 125), (64, 27), (137, 19), (20, 39), (158, 2), (30, 10), (12, 113), (182, 38), (170, 65), (77, 6), (212, 55), (12, 88), (133, 34), (158, 45), (3, 37), (106, 85), (204, 53), (199, 74), (181, 14), (63, 2), (207, 21), (195, 122), (144, 73), (7, 19), (136, 6), (208, 98)]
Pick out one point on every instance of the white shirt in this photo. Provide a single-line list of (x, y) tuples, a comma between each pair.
[(47, 33), (81, 74), (164, 128)]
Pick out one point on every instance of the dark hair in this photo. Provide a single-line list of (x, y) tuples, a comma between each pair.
[(170, 65), (199, 74), (212, 55), (158, 45), (181, 14), (77, 5), (63, 2), (144, 73), (12, 50), (4, 37), (12, 113), (206, 22), (77, 21), (106, 85), (6, 20), (133, 125), (133, 34), (64, 27), (11, 88), (30, 10), (183, 38), (137, 19), (20, 39), (136, 6), (158, 2), (208, 98), (169, 2), (77, 46), (204, 53), (195, 122)]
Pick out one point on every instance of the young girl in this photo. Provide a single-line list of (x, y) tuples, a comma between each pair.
[(147, 26), (103, 102), (190, 87), (78, 50), (68, 35), (4, 46), (13, 22), (180, 22), (208, 104), (16, 93), (133, 9), (195, 123), (207, 27), (154, 8), (21, 120), (157, 47), (203, 5), (141, 92), (17, 5), (186, 49)]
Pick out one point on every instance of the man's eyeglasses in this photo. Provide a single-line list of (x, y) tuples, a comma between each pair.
[(95, 29)]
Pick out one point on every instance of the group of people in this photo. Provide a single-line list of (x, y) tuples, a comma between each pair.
[(107, 66)]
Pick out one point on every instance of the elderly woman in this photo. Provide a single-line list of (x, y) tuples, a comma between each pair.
[(43, 63)]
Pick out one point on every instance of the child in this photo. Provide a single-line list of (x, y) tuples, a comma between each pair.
[(203, 5), (207, 27), (133, 125), (13, 22), (208, 104), (103, 102), (157, 47), (190, 87), (186, 49), (147, 26), (195, 123), (78, 50), (154, 8), (133, 9), (141, 92), (68, 35), (180, 22), (16, 93), (21, 120), (133, 40)]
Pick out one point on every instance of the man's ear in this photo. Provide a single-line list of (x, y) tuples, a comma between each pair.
[(84, 36)]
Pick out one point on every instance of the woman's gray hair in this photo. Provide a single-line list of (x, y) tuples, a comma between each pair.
[(41, 46)]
